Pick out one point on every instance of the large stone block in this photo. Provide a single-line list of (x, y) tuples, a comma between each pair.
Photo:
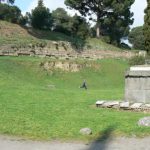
[(137, 84)]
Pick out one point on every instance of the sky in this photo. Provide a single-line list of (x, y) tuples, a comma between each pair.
[(27, 5)]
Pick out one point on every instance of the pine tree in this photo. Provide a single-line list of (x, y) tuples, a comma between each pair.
[(41, 17), (146, 28), (40, 3), (113, 17)]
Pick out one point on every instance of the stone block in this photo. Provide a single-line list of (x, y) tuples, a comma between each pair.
[(136, 105), (124, 105), (135, 96), (98, 103), (111, 104), (137, 84)]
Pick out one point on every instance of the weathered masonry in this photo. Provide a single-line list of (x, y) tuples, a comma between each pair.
[(137, 84)]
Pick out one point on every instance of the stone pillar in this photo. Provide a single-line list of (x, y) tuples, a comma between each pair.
[(137, 84)]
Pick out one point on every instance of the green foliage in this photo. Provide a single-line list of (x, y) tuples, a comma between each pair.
[(146, 28), (136, 38), (75, 26), (137, 60), (41, 17), (79, 27), (61, 21), (113, 17), (10, 13), (22, 20)]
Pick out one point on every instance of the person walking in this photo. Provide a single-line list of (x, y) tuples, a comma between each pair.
[(84, 85)]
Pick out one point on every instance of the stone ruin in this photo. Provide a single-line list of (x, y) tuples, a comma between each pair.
[(137, 91), (122, 105), (64, 66), (137, 84)]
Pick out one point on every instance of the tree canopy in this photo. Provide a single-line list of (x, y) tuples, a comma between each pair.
[(136, 38), (10, 13), (41, 17), (61, 21), (113, 17)]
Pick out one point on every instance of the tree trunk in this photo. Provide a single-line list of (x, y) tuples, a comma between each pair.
[(98, 32), (98, 26)]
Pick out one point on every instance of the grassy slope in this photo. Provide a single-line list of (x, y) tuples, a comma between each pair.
[(32, 109), (15, 35)]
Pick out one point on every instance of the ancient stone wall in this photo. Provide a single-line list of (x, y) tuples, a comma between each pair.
[(60, 50)]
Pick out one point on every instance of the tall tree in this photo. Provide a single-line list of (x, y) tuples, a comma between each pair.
[(10, 13), (41, 17), (61, 20), (79, 26), (146, 28), (112, 10)]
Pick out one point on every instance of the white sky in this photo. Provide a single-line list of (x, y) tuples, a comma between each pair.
[(138, 8)]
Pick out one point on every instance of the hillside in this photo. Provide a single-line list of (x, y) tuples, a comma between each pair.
[(13, 36)]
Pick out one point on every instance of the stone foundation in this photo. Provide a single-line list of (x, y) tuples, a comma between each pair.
[(123, 105), (137, 84)]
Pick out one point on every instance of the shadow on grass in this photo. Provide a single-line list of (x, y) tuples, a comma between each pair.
[(76, 42), (102, 141)]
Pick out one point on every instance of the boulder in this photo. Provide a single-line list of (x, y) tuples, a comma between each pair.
[(86, 131), (124, 105), (144, 122), (111, 104), (136, 105), (99, 103)]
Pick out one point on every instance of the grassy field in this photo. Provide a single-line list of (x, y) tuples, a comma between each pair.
[(39, 105)]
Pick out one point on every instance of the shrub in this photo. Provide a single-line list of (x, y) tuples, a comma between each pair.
[(137, 60)]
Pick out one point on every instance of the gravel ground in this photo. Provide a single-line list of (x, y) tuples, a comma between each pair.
[(123, 143)]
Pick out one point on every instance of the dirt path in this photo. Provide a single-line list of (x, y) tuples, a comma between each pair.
[(7, 143)]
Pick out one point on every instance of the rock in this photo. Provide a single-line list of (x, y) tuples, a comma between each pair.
[(99, 103), (144, 122), (124, 105), (136, 105), (111, 104), (86, 131), (147, 105)]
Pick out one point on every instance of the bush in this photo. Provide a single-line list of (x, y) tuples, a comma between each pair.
[(137, 60), (136, 38)]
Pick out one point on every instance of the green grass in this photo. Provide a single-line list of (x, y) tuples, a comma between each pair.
[(98, 44), (31, 109)]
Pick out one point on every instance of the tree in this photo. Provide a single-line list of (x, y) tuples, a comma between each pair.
[(146, 29), (41, 17), (136, 38), (61, 21), (10, 13), (79, 27), (108, 13), (116, 24), (75, 26)]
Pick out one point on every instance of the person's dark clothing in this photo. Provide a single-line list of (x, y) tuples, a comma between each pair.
[(84, 85)]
